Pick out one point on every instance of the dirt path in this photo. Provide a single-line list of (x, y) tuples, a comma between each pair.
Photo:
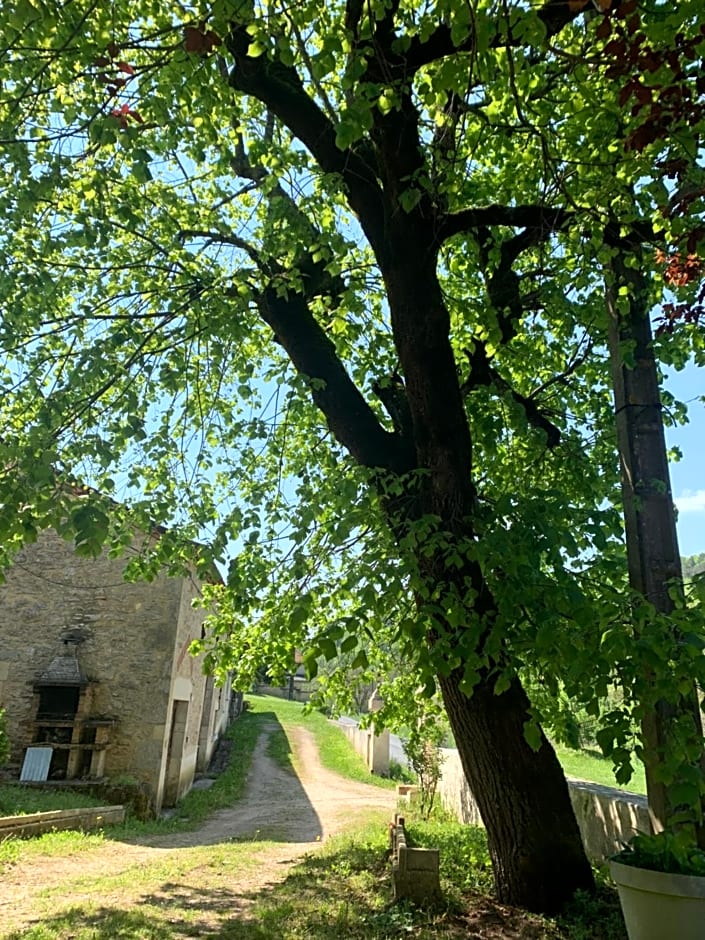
[(296, 812)]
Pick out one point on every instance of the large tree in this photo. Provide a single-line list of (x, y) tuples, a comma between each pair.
[(342, 267)]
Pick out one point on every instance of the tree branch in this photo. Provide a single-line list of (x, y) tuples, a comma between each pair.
[(555, 15), (392, 393), (218, 238), (350, 418), (482, 372), (544, 219), (281, 90)]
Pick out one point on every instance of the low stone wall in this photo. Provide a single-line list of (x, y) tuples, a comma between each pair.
[(298, 692), (34, 824), (415, 871), (372, 748), (607, 817), (134, 795)]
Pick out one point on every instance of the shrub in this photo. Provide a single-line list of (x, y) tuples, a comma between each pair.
[(400, 772), (423, 749)]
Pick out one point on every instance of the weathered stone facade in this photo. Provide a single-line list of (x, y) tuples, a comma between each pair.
[(113, 657)]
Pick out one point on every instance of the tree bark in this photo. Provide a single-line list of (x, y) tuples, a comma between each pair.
[(649, 516), (534, 840)]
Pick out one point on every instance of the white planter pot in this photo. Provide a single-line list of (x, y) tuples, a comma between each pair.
[(660, 906)]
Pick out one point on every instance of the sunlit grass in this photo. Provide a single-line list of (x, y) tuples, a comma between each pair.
[(239, 891), (590, 765), (334, 748), (16, 800)]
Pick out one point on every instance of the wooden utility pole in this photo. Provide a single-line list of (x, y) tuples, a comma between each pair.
[(649, 514)]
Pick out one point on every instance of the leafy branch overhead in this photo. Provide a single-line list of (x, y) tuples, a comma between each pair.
[(323, 288)]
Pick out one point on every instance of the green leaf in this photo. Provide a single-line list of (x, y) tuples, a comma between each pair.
[(532, 733)]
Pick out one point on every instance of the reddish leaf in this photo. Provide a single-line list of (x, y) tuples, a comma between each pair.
[(626, 93), (649, 61), (123, 113), (616, 48), (125, 67), (693, 240), (604, 29), (641, 137), (642, 93), (199, 41), (624, 9), (674, 63), (193, 39)]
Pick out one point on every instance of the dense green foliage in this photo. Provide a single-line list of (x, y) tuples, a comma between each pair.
[(665, 852), (325, 289), (693, 565)]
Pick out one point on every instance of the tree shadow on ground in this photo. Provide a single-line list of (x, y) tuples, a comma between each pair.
[(306, 902), (343, 894), (274, 806)]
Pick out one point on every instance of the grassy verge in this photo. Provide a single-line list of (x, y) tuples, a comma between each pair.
[(344, 890), (334, 748), (16, 800), (592, 766)]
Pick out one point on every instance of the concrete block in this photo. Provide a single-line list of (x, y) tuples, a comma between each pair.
[(415, 871)]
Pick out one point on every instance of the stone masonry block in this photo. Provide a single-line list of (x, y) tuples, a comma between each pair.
[(415, 871)]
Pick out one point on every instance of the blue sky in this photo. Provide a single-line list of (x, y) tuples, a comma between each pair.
[(688, 474)]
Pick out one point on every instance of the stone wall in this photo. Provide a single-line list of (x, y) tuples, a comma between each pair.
[(133, 650), (372, 748), (34, 824), (607, 817), (293, 692)]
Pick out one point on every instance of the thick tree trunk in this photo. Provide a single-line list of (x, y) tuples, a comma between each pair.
[(534, 841), (537, 853)]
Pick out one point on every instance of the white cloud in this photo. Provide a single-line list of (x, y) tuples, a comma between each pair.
[(690, 501)]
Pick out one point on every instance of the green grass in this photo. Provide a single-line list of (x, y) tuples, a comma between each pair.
[(343, 890), (334, 748), (186, 893), (61, 843), (16, 800), (592, 766)]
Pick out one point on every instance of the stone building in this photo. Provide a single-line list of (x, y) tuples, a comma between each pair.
[(99, 671)]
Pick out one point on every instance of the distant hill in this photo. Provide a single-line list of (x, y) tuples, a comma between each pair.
[(693, 564)]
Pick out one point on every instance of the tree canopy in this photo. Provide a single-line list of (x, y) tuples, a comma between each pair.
[(326, 287)]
